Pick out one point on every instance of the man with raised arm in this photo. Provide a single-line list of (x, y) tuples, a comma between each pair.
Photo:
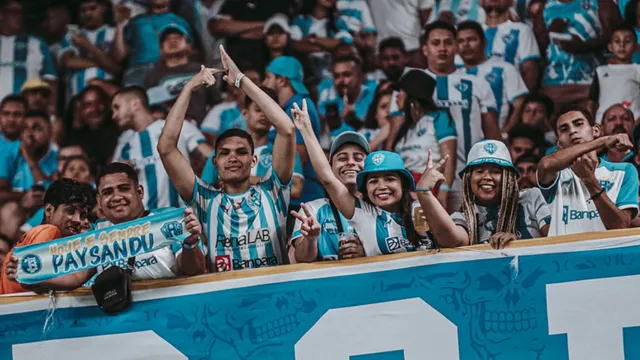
[(245, 223), (587, 193)]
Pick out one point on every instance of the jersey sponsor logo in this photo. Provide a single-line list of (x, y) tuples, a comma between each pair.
[(396, 244), (31, 264), (256, 237), (223, 263), (449, 103), (239, 264), (568, 215)]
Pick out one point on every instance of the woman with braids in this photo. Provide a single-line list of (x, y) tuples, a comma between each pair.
[(382, 218), (493, 209)]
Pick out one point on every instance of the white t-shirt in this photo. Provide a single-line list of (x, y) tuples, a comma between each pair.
[(140, 148), (614, 84), (400, 18), (505, 81), (428, 133), (573, 213), (513, 42), (382, 232), (533, 214)]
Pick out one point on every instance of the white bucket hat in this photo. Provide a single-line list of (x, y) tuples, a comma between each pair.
[(489, 152)]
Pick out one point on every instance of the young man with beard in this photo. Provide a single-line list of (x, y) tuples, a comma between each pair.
[(120, 199), (468, 98), (506, 83), (587, 193), (618, 119), (513, 42), (315, 234), (130, 111), (393, 58), (245, 223), (68, 205)]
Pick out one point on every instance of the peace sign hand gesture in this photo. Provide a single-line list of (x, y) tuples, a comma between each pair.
[(310, 227), (432, 175), (301, 118)]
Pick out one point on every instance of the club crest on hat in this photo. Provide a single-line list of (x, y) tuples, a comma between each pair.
[(490, 148), (377, 159)]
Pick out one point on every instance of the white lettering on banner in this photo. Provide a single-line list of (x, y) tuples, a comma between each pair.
[(593, 313), (127, 346), (410, 325)]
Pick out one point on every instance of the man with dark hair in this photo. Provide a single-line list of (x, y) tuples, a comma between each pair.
[(525, 139), (68, 205), (245, 223), (120, 198), (537, 110), (527, 165), (12, 110), (506, 83), (392, 58), (130, 111), (587, 193)]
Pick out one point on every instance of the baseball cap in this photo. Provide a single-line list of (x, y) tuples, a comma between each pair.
[(489, 152), (278, 19), (290, 68), (173, 27), (417, 84), (349, 137), (35, 83), (381, 161)]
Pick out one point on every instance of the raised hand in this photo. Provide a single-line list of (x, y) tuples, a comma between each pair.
[(585, 166), (191, 223), (301, 118), (310, 227), (618, 142), (432, 175), (205, 77), (230, 68)]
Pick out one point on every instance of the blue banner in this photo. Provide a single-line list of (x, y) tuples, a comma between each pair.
[(563, 301), (44, 261)]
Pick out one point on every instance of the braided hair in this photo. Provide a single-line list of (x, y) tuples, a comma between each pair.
[(509, 201)]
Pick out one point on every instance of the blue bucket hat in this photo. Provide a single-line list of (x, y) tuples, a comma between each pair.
[(381, 161), (290, 68), (489, 152)]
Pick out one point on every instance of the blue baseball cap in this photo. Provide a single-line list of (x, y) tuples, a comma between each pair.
[(173, 27), (489, 152), (381, 161), (290, 68)]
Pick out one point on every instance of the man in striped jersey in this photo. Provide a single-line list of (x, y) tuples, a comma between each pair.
[(130, 108), (245, 223), (21, 56), (86, 53)]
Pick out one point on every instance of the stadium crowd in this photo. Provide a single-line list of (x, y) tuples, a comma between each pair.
[(312, 130)]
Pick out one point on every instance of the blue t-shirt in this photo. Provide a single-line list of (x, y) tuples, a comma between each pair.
[(329, 95), (312, 188), (141, 34), (15, 169)]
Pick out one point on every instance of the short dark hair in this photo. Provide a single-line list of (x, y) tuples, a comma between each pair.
[(392, 43), (136, 91), (78, 157), (234, 133), (572, 107), (348, 58), (436, 25), (117, 168), (38, 114), (13, 98), (472, 25), (169, 31), (540, 98), (625, 27), (269, 91), (70, 192), (528, 132), (527, 157)]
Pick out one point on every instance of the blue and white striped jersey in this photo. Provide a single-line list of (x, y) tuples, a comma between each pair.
[(223, 117), (14, 168), (571, 210), (565, 68), (505, 81), (306, 25), (23, 57), (513, 42), (354, 16), (329, 95), (140, 148), (462, 10), (244, 230), (103, 38), (382, 232), (328, 239)]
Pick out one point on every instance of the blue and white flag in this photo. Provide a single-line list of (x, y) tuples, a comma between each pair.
[(44, 261)]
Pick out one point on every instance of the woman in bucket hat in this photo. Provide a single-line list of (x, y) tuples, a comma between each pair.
[(493, 209), (382, 217)]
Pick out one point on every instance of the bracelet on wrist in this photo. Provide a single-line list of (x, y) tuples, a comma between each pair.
[(422, 190), (596, 195), (445, 187), (189, 246), (238, 79)]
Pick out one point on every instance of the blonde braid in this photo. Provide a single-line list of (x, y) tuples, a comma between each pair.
[(468, 208)]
